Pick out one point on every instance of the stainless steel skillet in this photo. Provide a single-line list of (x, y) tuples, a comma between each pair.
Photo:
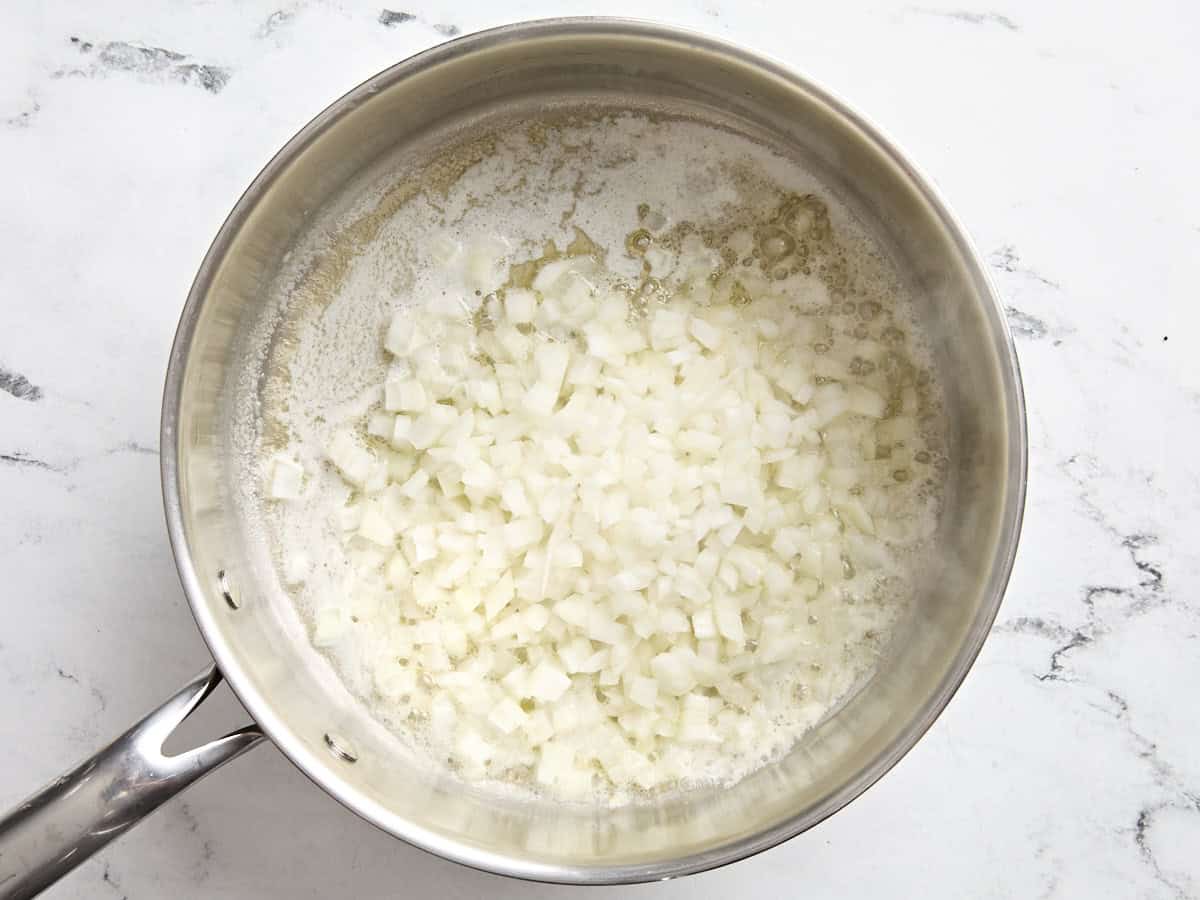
[(248, 625)]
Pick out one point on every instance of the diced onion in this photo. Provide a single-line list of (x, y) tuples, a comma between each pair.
[(593, 537)]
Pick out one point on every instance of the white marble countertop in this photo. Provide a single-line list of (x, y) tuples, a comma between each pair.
[(1066, 136)]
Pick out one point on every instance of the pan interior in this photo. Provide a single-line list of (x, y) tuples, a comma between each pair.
[(302, 231)]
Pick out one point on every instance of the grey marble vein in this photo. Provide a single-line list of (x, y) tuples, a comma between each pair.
[(1034, 625), (24, 118), (1146, 588), (23, 458), (19, 386), (155, 63), (390, 18), (133, 447), (94, 692), (110, 881), (393, 17), (275, 21), (20, 458), (1024, 325), (202, 866), (1143, 834), (971, 17), (1178, 796), (1006, 259)]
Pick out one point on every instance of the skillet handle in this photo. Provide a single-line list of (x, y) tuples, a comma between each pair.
[(74, 816)]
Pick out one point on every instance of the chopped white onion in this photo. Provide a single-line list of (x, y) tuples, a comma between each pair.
[(595, 537), (287, 479)]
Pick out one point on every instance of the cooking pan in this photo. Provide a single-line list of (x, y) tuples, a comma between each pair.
[(251, 627)]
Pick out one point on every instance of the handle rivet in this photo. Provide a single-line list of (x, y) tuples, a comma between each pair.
[(226, 592), (341, 748)]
